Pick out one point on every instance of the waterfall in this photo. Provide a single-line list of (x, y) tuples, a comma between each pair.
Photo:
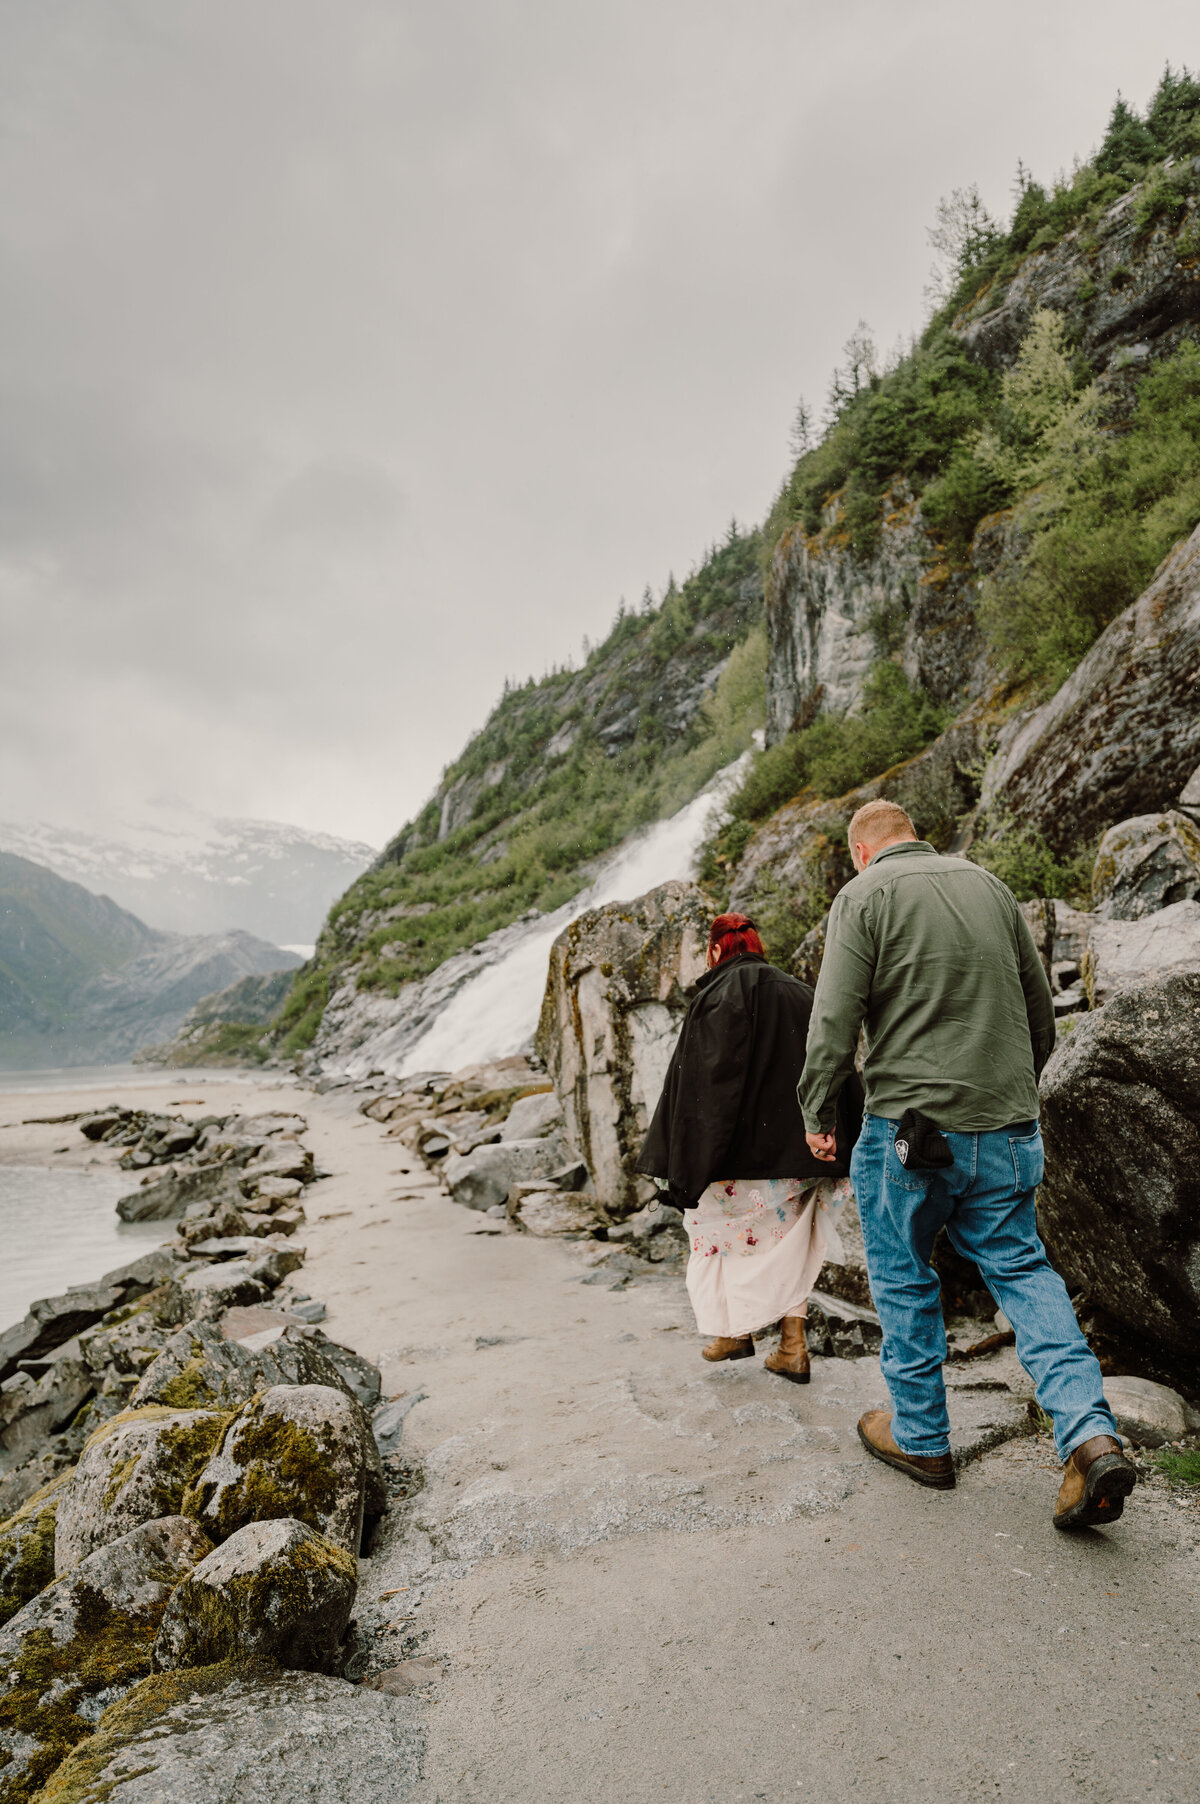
[(495, 1011)]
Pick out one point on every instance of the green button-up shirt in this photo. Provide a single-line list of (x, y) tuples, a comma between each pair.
[(934, 956)]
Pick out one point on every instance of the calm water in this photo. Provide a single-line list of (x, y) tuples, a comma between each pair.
[(59, 1228)]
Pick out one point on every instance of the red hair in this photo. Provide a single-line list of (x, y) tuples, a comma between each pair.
[(730, 935)]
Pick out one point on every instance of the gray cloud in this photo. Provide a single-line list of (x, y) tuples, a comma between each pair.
[(353, 356)]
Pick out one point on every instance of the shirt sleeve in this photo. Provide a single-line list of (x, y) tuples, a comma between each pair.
[(839, 1006), (1039, 1001)]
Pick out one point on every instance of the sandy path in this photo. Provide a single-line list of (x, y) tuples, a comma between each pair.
[(646, 1578)]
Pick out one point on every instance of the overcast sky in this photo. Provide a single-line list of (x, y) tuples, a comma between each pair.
[(355, 354)]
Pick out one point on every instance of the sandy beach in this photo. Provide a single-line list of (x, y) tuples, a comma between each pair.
[(638, 1577)]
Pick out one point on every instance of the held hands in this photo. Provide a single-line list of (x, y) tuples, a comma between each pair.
[(823, 1146)]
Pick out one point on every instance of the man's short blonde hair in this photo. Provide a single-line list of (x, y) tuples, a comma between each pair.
[(876, 823)]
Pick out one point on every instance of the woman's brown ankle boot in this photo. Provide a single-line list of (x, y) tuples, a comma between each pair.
[(741, 1347), (790, 1358)]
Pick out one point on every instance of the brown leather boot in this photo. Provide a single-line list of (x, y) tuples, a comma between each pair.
[(1096, 1481), (790, 1358), (740, 1347), (933, 1469)]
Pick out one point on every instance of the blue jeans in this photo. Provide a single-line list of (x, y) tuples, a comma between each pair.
[(985, 1201)]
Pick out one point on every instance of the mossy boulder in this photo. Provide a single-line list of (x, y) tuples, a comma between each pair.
[(81, 1643), (27, 1548), (228, 1733), (274, 1590), (199, 1368), (137, 1466), (304, 1451)]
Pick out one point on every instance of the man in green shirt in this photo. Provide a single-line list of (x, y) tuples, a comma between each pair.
[(933, 958)]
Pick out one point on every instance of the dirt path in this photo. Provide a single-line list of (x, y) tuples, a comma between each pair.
[(644, 1578)]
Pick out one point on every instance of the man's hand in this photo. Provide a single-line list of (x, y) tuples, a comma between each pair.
[(823, 1146)]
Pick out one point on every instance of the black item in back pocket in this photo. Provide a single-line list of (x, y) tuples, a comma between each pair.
[(920, 1143)]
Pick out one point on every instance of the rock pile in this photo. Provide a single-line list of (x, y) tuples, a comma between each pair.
[(188, 1472)]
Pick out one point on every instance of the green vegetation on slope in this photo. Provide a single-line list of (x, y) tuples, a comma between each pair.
[(563, 770)]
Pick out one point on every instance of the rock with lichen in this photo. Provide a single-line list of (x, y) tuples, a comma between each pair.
[(134, 1468), (219, 1734), (274, 1590), (83, 1642), (295, 1450), (199, 1368), (27, 1548)]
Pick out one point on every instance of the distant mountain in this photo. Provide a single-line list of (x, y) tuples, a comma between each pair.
[(83, 981), (192, 873)]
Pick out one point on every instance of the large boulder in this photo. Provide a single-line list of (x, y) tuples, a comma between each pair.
[(296, 1450), (27, 1548), (199, 1368), (274, 1590), (82, 1643), (204, 1735), (208, 1292), (1146, 864), (1120, 1207), (532, 1115), (1120, 952), (1122, 735), (134, 1468), (33, 1408), (170, 1196), (618, 987), (483, 1178)]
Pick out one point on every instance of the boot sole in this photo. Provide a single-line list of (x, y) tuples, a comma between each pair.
[(792, 1377), (944, 1481), (724, 1359), (1108, 1482)]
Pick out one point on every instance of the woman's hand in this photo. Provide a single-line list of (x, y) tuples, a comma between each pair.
[(823, 1146)]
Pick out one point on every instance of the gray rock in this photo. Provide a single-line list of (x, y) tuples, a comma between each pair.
[(1122, 735), (33, 1408), (1149, 1414), (202, 1222), (277, 1191), (295, 1450), (261, 1739), (53, 1320), (531, 1116), (387, 1423), (170, 1196), (555, 1212), (616, 993), (199, 1368), (135, 1468), (1120, 1206), (275, 1590), (80, 1644), (1120, 952), (27, 1548), (1189, 795), (215, 1288), (358, 1376), (484, 1177), (1146, 864), (287, 1159), (310, 1311)]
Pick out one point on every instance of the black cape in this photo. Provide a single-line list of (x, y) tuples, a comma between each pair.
[(729, 1107)]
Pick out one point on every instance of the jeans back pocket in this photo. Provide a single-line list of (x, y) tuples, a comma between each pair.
[(1029, 1160)]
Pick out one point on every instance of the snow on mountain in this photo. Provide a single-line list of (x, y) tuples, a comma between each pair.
[(191, 873)]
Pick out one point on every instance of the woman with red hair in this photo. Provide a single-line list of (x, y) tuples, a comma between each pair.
[(728, 1139)]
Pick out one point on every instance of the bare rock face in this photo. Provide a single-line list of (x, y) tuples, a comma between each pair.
[(1120, 952), (296, 1450), (82, 1643), (200, 1736), (615, 998), (1122, 735), (1146, 864), (135, 1468), (274, 1590), (1120, 1207)]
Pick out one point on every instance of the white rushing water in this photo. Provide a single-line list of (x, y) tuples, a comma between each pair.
[(495, 1012)]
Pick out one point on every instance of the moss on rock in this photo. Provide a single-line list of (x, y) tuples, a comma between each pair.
[(27, 1548), (135, 1468)]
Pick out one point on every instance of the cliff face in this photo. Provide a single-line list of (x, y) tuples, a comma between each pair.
[(1128, 292)]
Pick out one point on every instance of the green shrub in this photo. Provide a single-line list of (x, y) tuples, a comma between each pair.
[(1020, 857)]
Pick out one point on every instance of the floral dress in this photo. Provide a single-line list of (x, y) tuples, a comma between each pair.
[(757, 1248)]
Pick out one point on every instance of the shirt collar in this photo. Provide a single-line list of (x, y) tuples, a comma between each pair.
[(905, 845)]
